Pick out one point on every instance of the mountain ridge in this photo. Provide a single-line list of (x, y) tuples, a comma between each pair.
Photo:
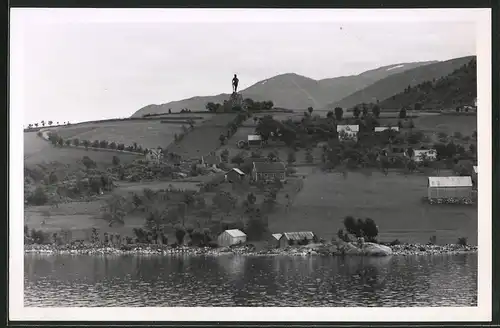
[(292, 90)]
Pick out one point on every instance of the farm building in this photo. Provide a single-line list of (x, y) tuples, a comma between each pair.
[(234, 175), (154, 155), (348, 132), (449, 187), (274, 240), (420, 154), (269, 171), (254, 140), (211, 160), (383, 128), (231, 237), (293, 238)]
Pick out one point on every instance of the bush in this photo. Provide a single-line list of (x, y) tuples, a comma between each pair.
[(38, 197), (462, 241), (103, 144), (76, 142), (112, 145), (88, 162), (120, 147), (116, 160)]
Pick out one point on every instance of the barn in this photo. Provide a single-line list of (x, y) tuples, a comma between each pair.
[(231, 237), (268, 172), (288, 238), (348, 132), (449, 187)]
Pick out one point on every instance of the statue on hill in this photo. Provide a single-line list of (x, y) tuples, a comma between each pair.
[(235, 83)]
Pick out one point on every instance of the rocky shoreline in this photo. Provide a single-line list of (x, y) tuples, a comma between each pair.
[(346, 249)]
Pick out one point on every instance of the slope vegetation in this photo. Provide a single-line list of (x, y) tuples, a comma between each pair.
[(456, 89), (396, 83), (291, 90)]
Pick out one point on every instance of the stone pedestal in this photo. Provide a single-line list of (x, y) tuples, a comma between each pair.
[(235, 100)]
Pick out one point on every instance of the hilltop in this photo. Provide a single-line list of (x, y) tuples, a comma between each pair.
[(395, 83), (291, 90), (456, 89)]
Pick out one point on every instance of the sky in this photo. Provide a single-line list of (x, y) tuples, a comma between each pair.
[(77, 65)]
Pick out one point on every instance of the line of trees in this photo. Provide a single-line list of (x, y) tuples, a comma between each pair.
[(57, 140)]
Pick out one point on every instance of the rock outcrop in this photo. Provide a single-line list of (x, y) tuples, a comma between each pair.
[(365, 249)]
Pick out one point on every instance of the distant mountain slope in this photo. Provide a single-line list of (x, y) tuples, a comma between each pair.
[(396, 83), (291, 90), (456, 89)]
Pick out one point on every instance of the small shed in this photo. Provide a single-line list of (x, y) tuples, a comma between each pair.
[(231, 237), (449, 187), (274, 240), (254, 140), (295, 238), (383, 128), (234, 175), (268, 171), (154, 155), (348, 132)]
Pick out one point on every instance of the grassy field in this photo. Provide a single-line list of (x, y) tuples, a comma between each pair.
[(38, 151), (393, 201)]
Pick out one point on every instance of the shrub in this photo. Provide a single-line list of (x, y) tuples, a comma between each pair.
[(112, 145), (95, 144), (120, 147), (88, 162), (116, 160), (395, 242), (462, 241), (76, 142), (38, 197), (103, 144), (68, 142)]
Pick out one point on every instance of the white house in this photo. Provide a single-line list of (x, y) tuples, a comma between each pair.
[(383, 128), (254, 140), (231, 237), (348, 132), (154, 155), (420, 154)]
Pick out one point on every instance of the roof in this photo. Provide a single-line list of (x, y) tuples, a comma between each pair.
[(277, 236), (353, 128), (444, 182), (383, 128), (157, 152), (298, 235), (475, 169), (237, 170), (254, 137), (269, 166), (424, 151), (236, 233)]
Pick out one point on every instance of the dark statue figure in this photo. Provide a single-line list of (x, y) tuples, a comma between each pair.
[(235, 83)]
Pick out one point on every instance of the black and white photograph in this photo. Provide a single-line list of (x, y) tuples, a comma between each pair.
[(254, 164)]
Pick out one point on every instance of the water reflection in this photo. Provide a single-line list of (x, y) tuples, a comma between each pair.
[(250, 281)]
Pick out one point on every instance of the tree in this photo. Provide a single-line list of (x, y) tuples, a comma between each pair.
[(224, 155), (309, 157), (272, 156), (43, 123), (457, 109), (356, 112), (36, 124), (370, 229), (291, 158), (352, 227), (68, 142), (115, 210), (86, 144), (50, 122), (238, 159), (88, 162), (251, 199), (116, 161), (376, 111), (365, 110), (339, 112), (329, 114), (179, 235), (402, 113), (310, 110), (60, 141), (222, 138), (76, 142), (112, 145)]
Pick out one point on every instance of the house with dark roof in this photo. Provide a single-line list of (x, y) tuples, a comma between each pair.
[(295, 238), (268, 171), (234, 175), (154, 155)]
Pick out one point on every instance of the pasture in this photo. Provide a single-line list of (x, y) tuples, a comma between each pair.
[(40, 152), (393, 201)]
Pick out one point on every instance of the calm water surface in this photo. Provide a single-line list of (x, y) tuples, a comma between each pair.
[(96, 281)]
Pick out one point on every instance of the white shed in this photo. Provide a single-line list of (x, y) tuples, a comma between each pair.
[(231, 237), (383, 128), (449, 187)]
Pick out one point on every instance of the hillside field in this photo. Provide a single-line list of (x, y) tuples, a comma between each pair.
[(393, 201)]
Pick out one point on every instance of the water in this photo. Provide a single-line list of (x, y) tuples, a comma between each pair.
[(155, 281)]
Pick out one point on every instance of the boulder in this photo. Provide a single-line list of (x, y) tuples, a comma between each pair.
[(372, 249)]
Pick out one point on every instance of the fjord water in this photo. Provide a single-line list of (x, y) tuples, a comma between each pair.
[(232, 280)]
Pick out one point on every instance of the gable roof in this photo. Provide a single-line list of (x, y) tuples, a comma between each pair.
[(254, 137), (383, 128), (298, 235), (237, 170), (444, 182), (269, 166), (155, 152), (236, 233), (353, 128), (276, 236), (424, 151)]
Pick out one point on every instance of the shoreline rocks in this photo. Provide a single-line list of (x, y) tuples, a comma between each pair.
[(344, 249)]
